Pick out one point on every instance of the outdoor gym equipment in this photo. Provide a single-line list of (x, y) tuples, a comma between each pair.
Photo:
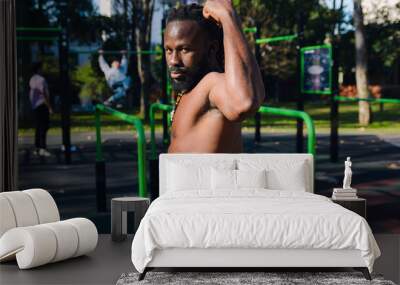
[(300, 104), (153, 108), (154, 179), (301, 115), (42, 34), (100, 162)]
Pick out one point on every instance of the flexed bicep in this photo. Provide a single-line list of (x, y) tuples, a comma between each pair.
[(233, 108)]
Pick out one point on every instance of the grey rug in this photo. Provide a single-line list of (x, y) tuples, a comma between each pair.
[(243, 278)]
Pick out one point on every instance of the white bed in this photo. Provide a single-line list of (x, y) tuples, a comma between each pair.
[(201, 219)]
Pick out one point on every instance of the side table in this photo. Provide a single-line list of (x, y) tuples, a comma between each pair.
[(357, 205), (119, 209)]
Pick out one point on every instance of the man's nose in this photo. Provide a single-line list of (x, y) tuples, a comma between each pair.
[(175, 59)]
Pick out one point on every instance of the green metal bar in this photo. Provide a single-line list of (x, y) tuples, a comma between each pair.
[(311, 140), (252, 30), (148, 52), (373, 100), (141, 142), (29, 38), (276, 39), (153, 108), (38, 29)]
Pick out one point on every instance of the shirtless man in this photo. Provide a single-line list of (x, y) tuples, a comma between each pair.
[(217, 94)]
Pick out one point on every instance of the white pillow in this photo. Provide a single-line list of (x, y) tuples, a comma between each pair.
[(237, 179), (223, 179), (251, 178), (281, 174), (188, 175)]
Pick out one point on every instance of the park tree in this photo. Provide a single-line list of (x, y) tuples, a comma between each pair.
[(364, 108), (143, 18)]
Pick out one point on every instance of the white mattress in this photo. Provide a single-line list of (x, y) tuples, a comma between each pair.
[(253, 218)]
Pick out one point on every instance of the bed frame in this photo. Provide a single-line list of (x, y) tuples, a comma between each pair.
[(251, 258)]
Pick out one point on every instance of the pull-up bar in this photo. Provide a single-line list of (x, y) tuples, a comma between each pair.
[(276, 39), (39, 36), (38, 29)]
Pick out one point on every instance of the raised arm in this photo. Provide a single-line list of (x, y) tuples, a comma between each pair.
[(103, 65), (239, 92), (124, 63)]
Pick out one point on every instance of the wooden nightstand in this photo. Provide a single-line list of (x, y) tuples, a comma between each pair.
[(357, 205)]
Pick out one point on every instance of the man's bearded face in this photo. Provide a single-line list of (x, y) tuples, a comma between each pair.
[(186, 52)]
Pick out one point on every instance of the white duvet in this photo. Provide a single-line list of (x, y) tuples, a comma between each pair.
[(253, 218)]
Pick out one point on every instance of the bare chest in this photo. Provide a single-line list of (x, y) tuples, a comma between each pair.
[(192, 112)]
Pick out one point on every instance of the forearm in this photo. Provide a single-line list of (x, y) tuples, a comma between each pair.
[(103, 64), (243, 76), (124, 64)]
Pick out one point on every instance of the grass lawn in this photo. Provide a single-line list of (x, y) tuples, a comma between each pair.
[(384, 122)]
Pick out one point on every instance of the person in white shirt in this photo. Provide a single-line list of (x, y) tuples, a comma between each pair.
[(39, 97), (116, 77)]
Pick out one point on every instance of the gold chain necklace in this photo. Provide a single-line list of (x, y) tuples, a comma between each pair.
[(178, 99)]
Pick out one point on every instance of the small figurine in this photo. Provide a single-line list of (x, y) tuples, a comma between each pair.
[(347, 174)]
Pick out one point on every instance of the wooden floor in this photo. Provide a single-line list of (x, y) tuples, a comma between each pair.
[(111, 259)]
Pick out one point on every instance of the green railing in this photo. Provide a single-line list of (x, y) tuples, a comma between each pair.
[(153, 108), (141, 142), (372, 100), (311, 140)]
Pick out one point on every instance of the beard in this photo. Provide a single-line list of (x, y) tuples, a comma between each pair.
[(189, 80)]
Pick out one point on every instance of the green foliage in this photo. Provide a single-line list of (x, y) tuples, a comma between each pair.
[(91, 85), (383, 44)]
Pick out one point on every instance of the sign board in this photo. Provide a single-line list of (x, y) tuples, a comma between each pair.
[(316, 69)]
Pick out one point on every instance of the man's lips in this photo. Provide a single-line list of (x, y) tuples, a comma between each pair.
[(176, 74)]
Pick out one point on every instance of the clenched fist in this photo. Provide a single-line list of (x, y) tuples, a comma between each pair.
[(217, 9)]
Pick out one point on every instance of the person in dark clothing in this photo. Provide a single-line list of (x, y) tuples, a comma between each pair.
[(39, 97)]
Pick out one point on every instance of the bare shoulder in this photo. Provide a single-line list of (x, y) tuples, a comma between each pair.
[(211, 81), (213, 78)]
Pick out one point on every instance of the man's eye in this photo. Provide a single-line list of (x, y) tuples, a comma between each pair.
[(185, 50), (169, 51)]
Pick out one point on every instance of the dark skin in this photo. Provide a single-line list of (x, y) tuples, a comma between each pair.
[(209, 116)]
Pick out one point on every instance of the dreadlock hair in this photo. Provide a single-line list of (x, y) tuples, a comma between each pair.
[(194, 12)]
